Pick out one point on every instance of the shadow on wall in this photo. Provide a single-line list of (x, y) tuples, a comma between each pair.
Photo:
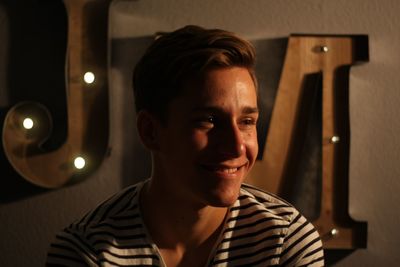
[(136, 163), (36, 47)]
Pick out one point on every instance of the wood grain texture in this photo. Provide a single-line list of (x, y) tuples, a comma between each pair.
[(87, 106), (328, 55)]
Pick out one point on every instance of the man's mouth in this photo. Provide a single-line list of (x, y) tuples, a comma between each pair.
[(223, 169)]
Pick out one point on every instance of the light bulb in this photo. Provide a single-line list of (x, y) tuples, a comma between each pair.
[(79, 163), (89, 77), (334, 232), (335, 139), (28, 123)]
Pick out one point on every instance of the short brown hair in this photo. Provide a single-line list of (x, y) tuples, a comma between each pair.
[(179, 56)]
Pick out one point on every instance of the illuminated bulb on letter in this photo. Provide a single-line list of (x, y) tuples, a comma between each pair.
[(27, 123), (324, 49), (335, 139), (79, 163), (89, 77), (334, 232)]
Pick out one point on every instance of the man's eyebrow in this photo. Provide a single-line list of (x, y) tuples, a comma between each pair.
[(212, 109), (250, 110)]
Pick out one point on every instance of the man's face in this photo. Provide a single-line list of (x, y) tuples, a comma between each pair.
[(209, 142)]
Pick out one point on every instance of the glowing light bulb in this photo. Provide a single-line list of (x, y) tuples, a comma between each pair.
[(28, 123), (334, 232), (335, 139), (324, 49), (89, 77), (79, 163)]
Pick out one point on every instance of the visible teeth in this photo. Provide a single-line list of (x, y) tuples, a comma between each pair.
[(223, 169), (230, 170)]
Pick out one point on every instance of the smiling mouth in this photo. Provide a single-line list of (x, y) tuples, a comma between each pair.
[(222, 169)]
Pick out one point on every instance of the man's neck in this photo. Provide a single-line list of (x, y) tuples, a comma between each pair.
[(178, 226)]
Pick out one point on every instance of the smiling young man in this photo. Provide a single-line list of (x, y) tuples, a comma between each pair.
[(196, 102)]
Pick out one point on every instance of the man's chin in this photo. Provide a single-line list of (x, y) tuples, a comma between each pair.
[(221, 204), (223, 200), (219, 194)]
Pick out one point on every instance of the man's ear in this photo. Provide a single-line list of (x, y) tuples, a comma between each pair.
[(148, 128)]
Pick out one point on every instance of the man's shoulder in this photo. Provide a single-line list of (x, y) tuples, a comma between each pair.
[(117, 205), (267, 202), (112, 233), (299, 242)]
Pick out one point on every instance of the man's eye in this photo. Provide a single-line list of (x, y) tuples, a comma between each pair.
[(249, 121), (210, 119), (206, 121)]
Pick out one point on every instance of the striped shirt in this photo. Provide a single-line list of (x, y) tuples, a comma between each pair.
[(260, 230)]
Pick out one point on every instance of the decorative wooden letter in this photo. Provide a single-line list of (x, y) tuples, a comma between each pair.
[(331, 57), (28, 125)]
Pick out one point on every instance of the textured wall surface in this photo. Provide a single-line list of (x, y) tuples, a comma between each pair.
[(29, 222)]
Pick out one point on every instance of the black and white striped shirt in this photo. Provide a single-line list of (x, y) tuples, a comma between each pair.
[(260, 230)]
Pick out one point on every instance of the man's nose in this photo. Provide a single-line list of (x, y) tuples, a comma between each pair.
[(231, 142)]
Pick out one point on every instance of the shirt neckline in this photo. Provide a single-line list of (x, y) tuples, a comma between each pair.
[(148, 237)]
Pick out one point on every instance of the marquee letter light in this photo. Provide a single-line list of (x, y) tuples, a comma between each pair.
[(331, 56), (27, 125)]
